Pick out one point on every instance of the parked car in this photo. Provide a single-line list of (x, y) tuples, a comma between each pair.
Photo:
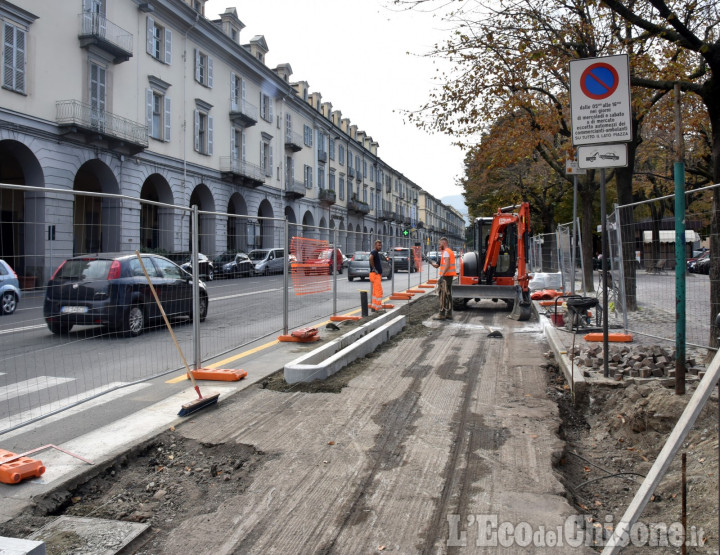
[(433, 256), (402, 258), (703, 266), (9, 289), (233, 265), (112, 290), (693, 262), (325, 261), (205, 266), (268, 261), (359, 266)]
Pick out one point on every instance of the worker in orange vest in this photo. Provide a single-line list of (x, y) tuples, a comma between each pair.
[(376, 277), (447, 274)]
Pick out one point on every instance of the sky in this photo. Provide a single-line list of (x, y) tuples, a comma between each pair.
[(364, 57)]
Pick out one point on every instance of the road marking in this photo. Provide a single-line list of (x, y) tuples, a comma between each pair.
[(50, 407), (32, 385), (24, 328), (244, 294)]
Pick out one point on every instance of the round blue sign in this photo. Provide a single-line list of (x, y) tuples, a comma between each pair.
[(599, 81)]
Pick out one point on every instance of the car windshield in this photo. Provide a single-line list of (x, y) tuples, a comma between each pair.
[(225, 258), (82, 269), (360, 256), (257, 255), (324, 255), (400, 253)]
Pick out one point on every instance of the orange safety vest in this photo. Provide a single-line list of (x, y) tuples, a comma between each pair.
[(451, 270)]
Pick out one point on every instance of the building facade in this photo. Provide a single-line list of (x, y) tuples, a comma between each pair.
[(154, 101)]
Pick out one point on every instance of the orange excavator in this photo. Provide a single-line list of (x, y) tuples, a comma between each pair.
[(498, 271)]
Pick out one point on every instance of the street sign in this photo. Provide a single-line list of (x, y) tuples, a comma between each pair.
[(572, 167), (602, 156), (600, 100)]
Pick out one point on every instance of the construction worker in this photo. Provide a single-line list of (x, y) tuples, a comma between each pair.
[(376, 277), (447, 274)]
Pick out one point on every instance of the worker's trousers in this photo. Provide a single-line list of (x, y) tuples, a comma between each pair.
[(377, 291)]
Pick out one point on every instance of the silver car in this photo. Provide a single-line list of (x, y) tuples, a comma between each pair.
[(268, 261), (359, 266), (9, 289)]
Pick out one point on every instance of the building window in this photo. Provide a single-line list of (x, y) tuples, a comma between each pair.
[(320, 142), (266, 111), (159, 41), (97, 95), (321, 178), (349, 157), (158, 115), (237, 92), (331, 184), (203, 69), (307, 135), (342, 187), (357, 165), (341, 155), (308, 177), (237, 144), (203, 132), (266, 157), (331, 146), (14, 59)]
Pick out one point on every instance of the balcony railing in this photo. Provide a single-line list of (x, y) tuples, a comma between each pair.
[(241, 173), (294, 188), (322, 156), (385, 215), (82, 119), (293, 141), (358, 206), (97, 30), (351, 172), (406, 220), (327, 196), (243, 113)]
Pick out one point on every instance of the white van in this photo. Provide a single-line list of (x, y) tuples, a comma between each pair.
[(268, 261)]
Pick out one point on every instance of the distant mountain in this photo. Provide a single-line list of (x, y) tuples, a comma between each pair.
[(457, 201)]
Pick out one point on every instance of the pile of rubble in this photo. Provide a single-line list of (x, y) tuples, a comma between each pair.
[(632, 361)]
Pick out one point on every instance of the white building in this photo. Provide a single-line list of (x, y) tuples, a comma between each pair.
[(154, 101)]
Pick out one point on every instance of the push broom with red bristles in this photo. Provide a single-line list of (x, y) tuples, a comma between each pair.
[(201, 402)]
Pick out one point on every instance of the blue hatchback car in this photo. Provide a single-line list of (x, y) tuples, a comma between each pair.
[(9, 289)]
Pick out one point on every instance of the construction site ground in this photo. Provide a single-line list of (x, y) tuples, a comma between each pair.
[(410, 449)]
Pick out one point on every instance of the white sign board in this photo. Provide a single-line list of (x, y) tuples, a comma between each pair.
[(600, 100), (573, 168), (602, 156)]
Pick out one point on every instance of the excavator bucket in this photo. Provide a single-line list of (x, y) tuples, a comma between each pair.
[(522, 309)]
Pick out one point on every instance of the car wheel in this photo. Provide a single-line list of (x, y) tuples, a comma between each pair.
[(211, 274), (203, 307), (8, 303), (266, 272), (350, 278), (389, 276), (134, 321), (340, 270), (59, 328)]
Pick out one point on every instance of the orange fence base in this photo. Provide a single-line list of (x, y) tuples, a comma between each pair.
[(388, 306), (612, 337), (432, 281), (343, 318), (219, 374), (426, 286), (19, 468), (400, 297), (293, 339), (414, 291)]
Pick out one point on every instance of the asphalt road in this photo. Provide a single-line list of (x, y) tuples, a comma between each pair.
[(42, 373)]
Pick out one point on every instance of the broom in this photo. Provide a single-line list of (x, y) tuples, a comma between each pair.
[(201, 402)]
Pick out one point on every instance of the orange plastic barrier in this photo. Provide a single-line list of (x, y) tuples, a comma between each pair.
[(303, 335), (388, 306), (400, 297), (219, 374), (612, 337), (414, 291), (545, 294), (14, 468), (308, 276), (432, 281), (425, 286), (343, 318)]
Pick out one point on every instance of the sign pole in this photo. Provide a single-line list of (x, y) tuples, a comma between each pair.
[(574, 236), (605, 270), (679, 172)]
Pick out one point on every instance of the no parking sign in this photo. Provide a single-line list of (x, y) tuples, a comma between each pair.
[(600, 100)]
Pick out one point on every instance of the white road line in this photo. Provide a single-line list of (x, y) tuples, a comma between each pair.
[(244, 294), (24, 328), (45, 409), (32, 385)]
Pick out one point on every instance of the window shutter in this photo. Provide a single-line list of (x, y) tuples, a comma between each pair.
[(262, 105), (168, 46), (8, 55), (166, 119), (242, 89), (271, 160), (244, 140), (262, 155), (87, 16), (196, 130), (232, 143), (150, 27), (270, 109), (233, 92), (210, 72), (149, 110), (210, 136), (197, 66), (19, 60)]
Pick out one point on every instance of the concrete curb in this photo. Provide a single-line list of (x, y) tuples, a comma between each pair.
[(337, 354), (573, 375)]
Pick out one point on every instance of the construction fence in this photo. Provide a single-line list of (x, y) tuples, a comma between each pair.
[(44, 371)]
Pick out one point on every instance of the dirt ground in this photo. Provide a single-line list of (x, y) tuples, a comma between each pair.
[(611, 442)]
